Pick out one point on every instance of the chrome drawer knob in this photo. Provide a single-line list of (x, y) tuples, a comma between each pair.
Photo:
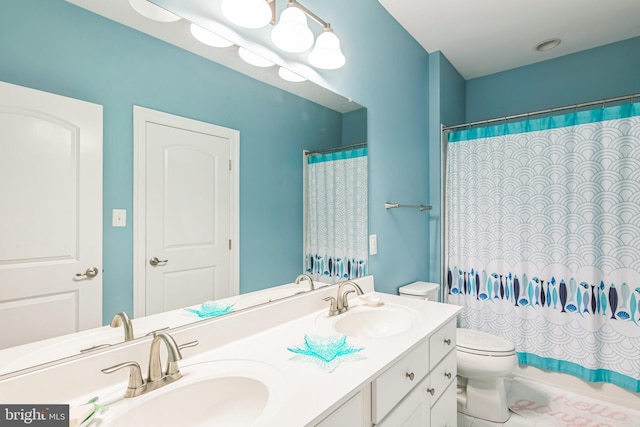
[(448, 375), (447, 341), (410, 376), (431, 391)]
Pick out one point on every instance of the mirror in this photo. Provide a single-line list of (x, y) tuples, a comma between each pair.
[(266, 187)]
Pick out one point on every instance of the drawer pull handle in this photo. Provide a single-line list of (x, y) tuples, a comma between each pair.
[(410, 376), (431, 391), (447, 341), (448, 375)]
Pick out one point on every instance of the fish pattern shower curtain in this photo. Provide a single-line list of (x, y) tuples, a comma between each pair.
[(336, 216), (543, 239)]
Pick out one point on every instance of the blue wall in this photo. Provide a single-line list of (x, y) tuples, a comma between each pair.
[(354, 127), (604, 72), (387, 71)]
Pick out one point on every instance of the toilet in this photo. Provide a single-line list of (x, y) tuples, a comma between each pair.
[(483, 361)]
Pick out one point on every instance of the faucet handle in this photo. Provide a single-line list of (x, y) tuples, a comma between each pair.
[(188, 344), (172, 367), (135, 386), (333, 306)]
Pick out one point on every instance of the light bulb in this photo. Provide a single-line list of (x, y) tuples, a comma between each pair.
[(290, 76), (326, 54), (247, 13), (152, 11), (292, 34), (253, 58), (209, 38)]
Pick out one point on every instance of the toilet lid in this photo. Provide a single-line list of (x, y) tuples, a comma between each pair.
[(482, 342)]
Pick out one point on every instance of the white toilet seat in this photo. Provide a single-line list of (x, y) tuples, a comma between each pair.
[(485, 353), (482, 343)]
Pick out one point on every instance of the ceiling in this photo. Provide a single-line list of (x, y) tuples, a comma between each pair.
[(488, 36)]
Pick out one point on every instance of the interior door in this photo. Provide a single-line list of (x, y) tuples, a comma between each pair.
[(50, 215), (188, 233)]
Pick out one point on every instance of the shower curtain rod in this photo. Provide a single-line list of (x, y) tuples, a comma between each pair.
[(548, 110), (331, 150)]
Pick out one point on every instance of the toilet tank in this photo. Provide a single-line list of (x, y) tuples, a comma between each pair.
[(422, 290)]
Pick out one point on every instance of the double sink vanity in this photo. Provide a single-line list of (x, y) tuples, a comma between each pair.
[(237, 370)]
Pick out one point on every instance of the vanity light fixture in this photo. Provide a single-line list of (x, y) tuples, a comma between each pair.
[(292, 33), (253, 58), (326, 54), (209, 38), (290, 76), (249, 13), (152, 11)]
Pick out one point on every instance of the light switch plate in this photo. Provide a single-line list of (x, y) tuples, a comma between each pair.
[(119, 218), (373, 244)]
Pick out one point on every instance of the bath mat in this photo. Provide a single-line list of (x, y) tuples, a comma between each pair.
[(550, 407)]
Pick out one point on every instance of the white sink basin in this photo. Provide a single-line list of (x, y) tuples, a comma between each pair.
[(372, 322), (224, 393)]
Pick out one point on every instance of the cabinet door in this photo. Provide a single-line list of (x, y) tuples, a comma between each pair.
[(349, 414), (394, 383), (444, 411), (412, 411)]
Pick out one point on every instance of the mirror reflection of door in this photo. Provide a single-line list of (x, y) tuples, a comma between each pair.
[(50, 215), (188, 221)]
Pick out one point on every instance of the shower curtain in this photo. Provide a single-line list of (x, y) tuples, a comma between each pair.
[(543, 239), (336, 224)]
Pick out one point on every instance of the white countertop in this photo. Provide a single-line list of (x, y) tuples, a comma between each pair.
[(310, 392)]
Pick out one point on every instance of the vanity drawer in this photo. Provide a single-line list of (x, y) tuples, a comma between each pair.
[(394, 383), (443, 375), (441, 342)]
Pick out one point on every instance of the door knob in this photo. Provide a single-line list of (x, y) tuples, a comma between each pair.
[(155, 261), (90, 273)]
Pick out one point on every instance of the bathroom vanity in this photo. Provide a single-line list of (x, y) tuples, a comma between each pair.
[(242, 373)]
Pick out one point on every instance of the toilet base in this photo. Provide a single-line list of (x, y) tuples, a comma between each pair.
[(484, 398)]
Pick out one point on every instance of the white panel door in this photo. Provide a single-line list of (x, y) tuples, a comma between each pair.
[(50, 215), (188, 216)]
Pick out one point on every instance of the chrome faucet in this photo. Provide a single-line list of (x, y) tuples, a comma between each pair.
[(157, 378), (340, 303), (121, 319), (302, 277)]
